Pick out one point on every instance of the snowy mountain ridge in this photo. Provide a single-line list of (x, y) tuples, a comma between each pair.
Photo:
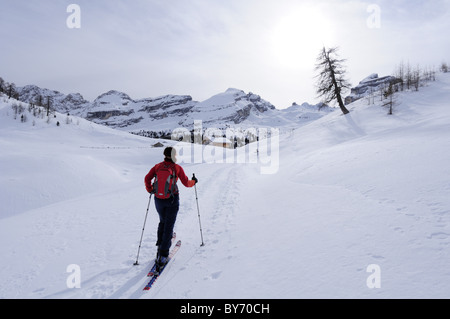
[(230, 108)]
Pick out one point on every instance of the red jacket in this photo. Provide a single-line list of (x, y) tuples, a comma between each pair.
[(178, 171)]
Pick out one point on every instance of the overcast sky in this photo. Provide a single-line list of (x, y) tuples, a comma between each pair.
[(149, 48)]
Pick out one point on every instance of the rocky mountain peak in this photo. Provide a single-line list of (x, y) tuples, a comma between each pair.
[(73, 102), (166, 113), (368, 85)]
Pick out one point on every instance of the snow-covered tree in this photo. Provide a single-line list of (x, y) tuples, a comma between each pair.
[(2, 84), (10, 89)]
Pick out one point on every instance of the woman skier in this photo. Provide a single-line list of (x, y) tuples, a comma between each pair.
[(162, 181)]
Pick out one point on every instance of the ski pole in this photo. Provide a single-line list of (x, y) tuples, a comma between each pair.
[(198, 209), (143, 228)]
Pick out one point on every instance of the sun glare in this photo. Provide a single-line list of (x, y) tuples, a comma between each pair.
[(297, 37)]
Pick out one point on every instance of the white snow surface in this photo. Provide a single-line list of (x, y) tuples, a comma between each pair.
[(350, 191)]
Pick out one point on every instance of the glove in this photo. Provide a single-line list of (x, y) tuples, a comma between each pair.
[(150, 189), (195, 179)]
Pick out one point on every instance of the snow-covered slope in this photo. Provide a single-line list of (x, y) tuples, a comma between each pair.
[(349, 192), (43, 162)]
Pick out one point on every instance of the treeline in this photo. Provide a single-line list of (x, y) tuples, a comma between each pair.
[(24, 111), (9, 89), (412, 77), (407, 77), (42, 106), (235, 137), (166, 135), (20, 111)]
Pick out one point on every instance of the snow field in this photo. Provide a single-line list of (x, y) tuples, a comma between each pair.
[(350, 191)]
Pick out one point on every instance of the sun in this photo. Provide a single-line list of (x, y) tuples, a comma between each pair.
[(298, 36)]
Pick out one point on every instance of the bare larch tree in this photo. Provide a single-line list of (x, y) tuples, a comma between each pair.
[(331, 82)]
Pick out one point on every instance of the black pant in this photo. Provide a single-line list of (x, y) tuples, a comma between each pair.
[(168, 211)]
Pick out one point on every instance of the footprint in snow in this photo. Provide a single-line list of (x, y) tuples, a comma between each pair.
[(441, 236), (214, 276)]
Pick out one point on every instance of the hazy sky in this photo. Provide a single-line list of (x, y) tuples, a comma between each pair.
[(148, 48)]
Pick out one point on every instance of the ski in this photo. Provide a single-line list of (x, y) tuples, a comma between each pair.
[(155, 277), (153, 269)]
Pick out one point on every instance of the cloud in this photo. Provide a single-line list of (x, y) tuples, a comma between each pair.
[(201, 47)]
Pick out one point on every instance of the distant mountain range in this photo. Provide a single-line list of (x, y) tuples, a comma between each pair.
[(231, 108)]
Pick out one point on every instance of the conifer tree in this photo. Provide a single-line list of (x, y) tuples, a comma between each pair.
[(331, 81)]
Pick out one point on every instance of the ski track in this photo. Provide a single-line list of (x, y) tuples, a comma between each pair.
[(193, 264)]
